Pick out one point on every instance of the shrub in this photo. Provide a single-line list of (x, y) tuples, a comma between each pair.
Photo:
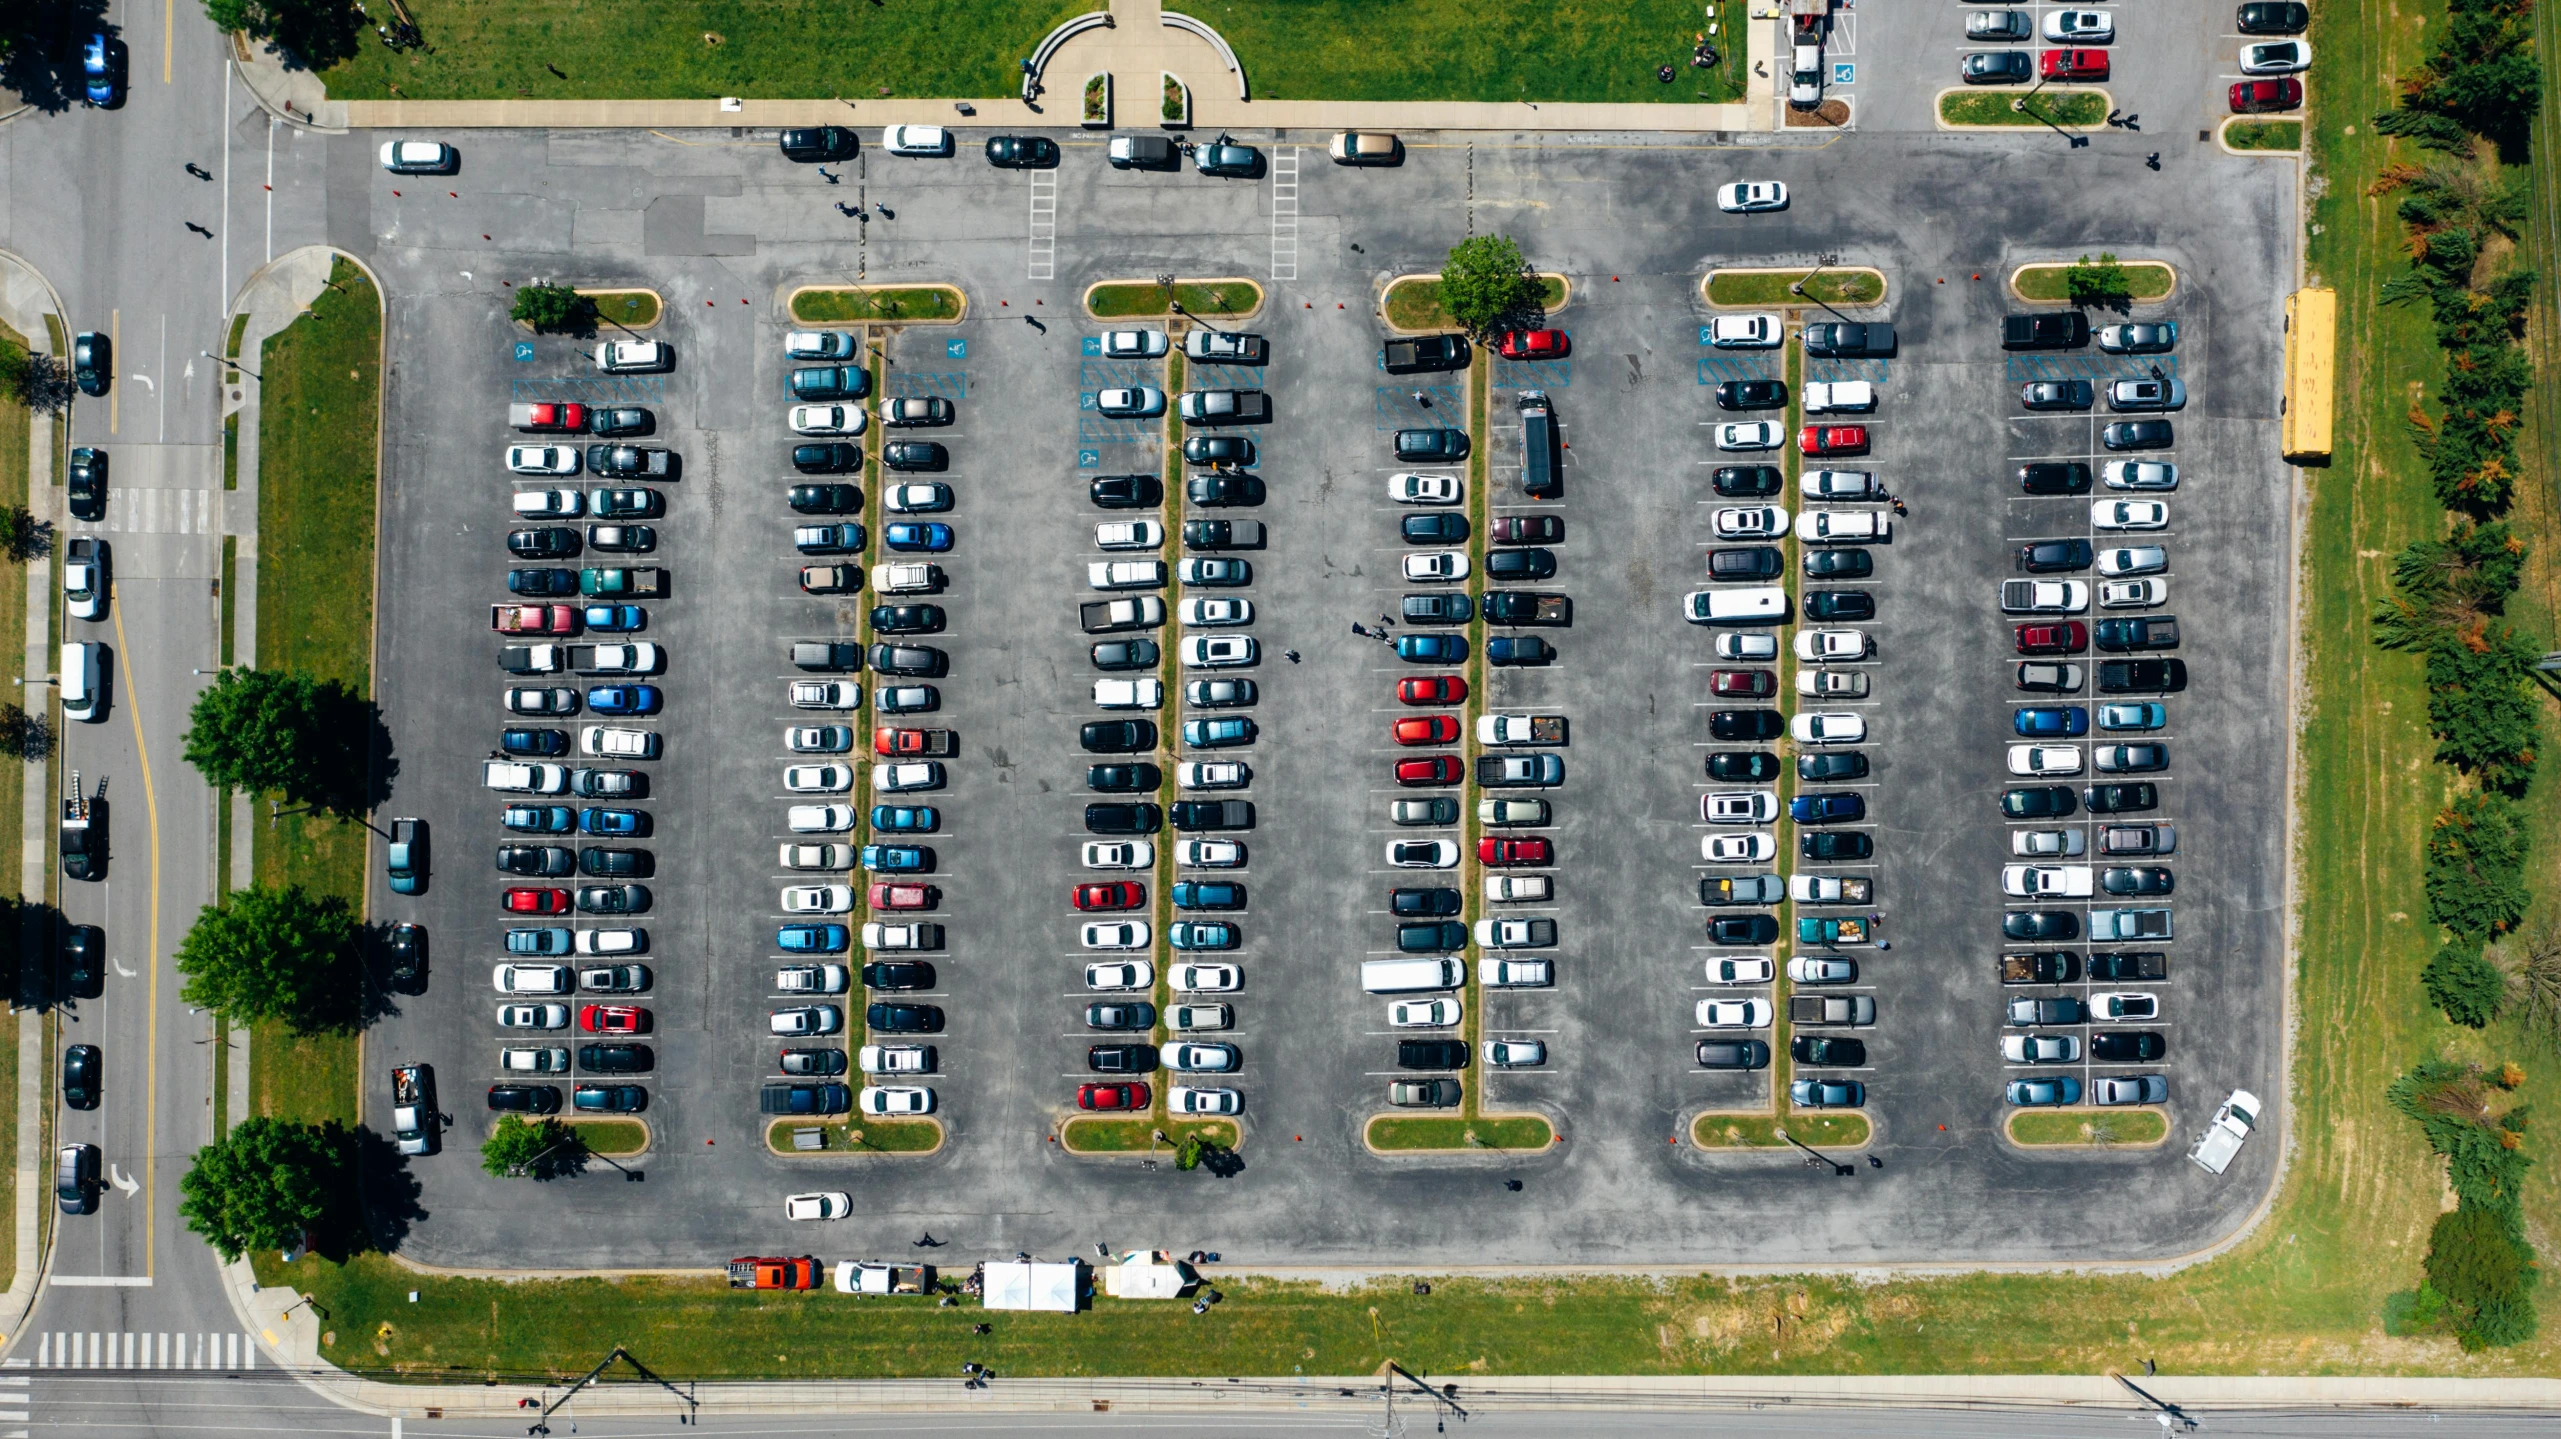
[(2469, 988), (2479, 1261), (2476, 866), (521, 1148), (2481, 78), (554, 309), (2103, 283), (2487, 722)]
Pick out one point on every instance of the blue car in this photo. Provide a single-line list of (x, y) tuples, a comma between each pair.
[(812, 938), (905, 819), (617, 619), (1218, 733), (1208, 894), (539, 818), (1517, 650), (624, 699), (102, 65), (1432, 649), (1835, 807), (2143, 715), (537, 941), (897, 858), (617, 822), (931, 537), (2066, 720), (2061, 1089), (1202, 934)]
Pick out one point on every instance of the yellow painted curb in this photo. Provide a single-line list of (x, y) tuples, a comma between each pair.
[(648, 1136), (2017, 1114), (791, 302), (1563, 283), (1067, 1126), (1707, 282), (1781, 1120), (2012, 283), (2228, 148), (785, 1151), (1553, 1138), (1261, 296), (2014, 91)]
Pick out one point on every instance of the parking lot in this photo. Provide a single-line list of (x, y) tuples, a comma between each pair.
[(1631, 223)]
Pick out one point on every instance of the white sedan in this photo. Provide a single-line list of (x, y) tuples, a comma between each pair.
[(534, 1061), (1814, 969), (1422, 853), (1750, 435), (1117, 934), (1201, 1058), (611, 941), (1750, 522), (1204, 610), (1819, 646), (925, 140), (818, 778), (2140, 475), (1744, 197), (2132, 594), (819, 818), (1733, 1014), (543, 459), (902, 778), (1828, 727), (895, 1099), (1741, 806), (2129, 515), (815, 856), (1219, 651), (1408, 488), (2079, 27), (2048, 843), (1217, 853), (1438, 1013), (832, 1204), (1189, 1099), (828, 420), (1836, 484), (1740, 969), (2277, 57), (1436, 565), (1135, 344), (2035, 760), (931, 497), (533, 1016), (1120, 975), (2046, 881), (1120, 854), (1205, 978), (1130, 402), (548, 504), (818, 899), (419, 157), (1738, 848)]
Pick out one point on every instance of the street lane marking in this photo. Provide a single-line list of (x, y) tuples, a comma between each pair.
[(151, 806)]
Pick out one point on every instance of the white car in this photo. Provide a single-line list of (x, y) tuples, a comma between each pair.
[(1198, 1016), (815, 856), (1219, 651), (1408, 488), (1833, 646), (2036, 760), (1135, 344), (1128, 535), (1209, 853), (2132, 594), (2049, 843), (1758, 331), (1515, 933), (1205, 978), (1515, 973), (1836, 484), (1750, 522), (1519, 889), (533, 1016), (1436, 565), (1828, 727), (832, 1204), (818, 345), (818, 778), (2046, 881), (926, 140), (611, 941), (1515, 1053), (1191, 1099), (807, 1019), (818, 899), (1116, 934), (2041, 1048), (810, 979), (2277, 57), (1120, 854), (2044, 597), (904, 778), (1218, 610), (1125, 574), (1213, 774), (634, 357), (1744, 197), (521, 1060), (2138, 560), (1141, 694), (1814, 969), (1735, 605), (819, 818), (2129, 515), (877, 935), (1201, 1058), (2115, 1005), (614, 742), (1750, 435), (2140, 475), (829, 420), (548, 504), (1738, 645), (2082, 27), (1831, 684), (894, 1059), (816, 739), (1120, 975), (1422, 853), (1438, 1013), (894, 1099), (1130, 402), (1844, 526), (509, 777), (927, 498), (1733, 1014), (1740, 969), (419, 157), (530, 978), (543, 459), (1753, 848), (1739, 806)]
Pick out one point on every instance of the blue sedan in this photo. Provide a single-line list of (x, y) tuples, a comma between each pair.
[(1218, 733), (617, 619), (1208, 894), (624, 699), (537, 941), (2065, 720), (1432, 649), (1202, 934), (617, 822), (931, 537), (102, 64), (1831, 808), (812, 938), (539, 818), (2061, 1089), (905, 819), (897, 858), (2143, 715)]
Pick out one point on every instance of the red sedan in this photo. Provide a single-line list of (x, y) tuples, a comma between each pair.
[(1427, 729), (1438, 769), (1493, 849), (1432, 690), (886, 895), (2067, 638), (2072, 64), (1743, 684), (1114, 1096), (1119, 894), (1832, 440), (535, 900), (613, 1019), (1534, 345), (2259, 97)]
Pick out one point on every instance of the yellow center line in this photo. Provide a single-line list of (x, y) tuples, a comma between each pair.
[(168, 39), (151, 1049)]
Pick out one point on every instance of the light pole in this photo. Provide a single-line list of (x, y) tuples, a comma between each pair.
[(1839, 1170), (234, 364), (1797, 288)]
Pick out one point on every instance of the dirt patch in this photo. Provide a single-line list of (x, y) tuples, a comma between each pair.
[(1830, 115)]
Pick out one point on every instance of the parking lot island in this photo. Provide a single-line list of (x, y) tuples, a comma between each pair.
[(2089, 1128), (864, 1135), (1412, 303), (1143, 1136), (1406, 1133), (628, 308), (1996, 109), (1772, 1131), (2151, 281), (1830, 285), (1145, 299), (613, 1138), (902, 304)]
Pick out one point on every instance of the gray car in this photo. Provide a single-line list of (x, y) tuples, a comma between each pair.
[(2130, 1089), (1997, 25)]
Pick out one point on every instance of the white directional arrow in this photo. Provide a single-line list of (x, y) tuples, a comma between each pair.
[(116, 1176), (145, 381), (118, 966)]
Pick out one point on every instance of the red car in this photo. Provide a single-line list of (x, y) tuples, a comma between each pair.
[(549, 417), (1427, 729), (534, 619), (1832, 440), (2068, 638), (2072, 64), (1493, 849), (1438, 769), (1534, 345), (2258, 97), (537, 901), (613, 1019), (892, 740), (886, 895), (1119, 894), (1114, 1096), (1743, 684), (1432, 690)]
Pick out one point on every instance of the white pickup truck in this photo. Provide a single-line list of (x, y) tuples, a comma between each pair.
[(1839, 397), (2224, 1133), (1125, 574)]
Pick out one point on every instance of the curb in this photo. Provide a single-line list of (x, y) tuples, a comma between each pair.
[(1262, 297), (2165, 297), (1563, 282), (1486, 1153), (1236, 1120), (792, 298), (1885, 287), (2014, 91), (2169, 1129)]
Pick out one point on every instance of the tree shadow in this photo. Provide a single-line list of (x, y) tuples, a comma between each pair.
[(43, 67), (315, 34), (377, 1211), (353, 764), (1219, 1160)]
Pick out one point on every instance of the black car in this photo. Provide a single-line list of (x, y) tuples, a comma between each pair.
[(1838, 564), (609, 1098), (2044, 801), (2118, 677), (1742, 929), (2041, 924), (1123, 778), (2126, 1046), (2137, 435), (537, 742), (2052, 556), (2058, 395), (1447, 608), (1442, 528), (86, 478), (1123, 819), (1022, 152), (818, 143), (524, 1098), (805, 1099), (1733, 1054), (907, 619), (1752, 395), (1224, 157), (1834, 765), (1840, 605), (915, 661), (1526, 564), (84, 961), (1126, 492), (904, 1018), (898, 974), (1431, 1054), (1746, 563), (2273, 17), (824, 499), (813, 1060), (2138, 879), (623, 420), (631, 462), (1195, 815), (1746, 725), (915, 456), (1120, 1014), (1229, 450), (1742, 765), (93, 362), (1121, 1058), (830, 382), (1997, 67), (1429, 903), (1826, 1049), (2055, 477), (2122, 966), (81, 1075), (404, 957), (2122, 798), (598, 862), (1431, 444), (1123, 736), (551, 542), (2136, 632), (536, 860), (826, 457), (621, 1058), (1746, 482), (1435, 937), (1126, 655), (542, 584), (1834, 845)]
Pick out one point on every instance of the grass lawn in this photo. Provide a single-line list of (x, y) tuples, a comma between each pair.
[(2264, 134), (2081, 1126), (611, 1136), (1414, 303), (860, 1134), (634, 308), (1834, 287), (1128, 299), (701, 49), (2045, 282), (1135, 1134), (1478, 49), (1417, 1131), (1761, 1131), (877, 302), (2045, 107), (17, 426)]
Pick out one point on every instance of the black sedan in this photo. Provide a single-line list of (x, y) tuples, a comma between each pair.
[(2121, 798), (898, 974), (1123, 819), (1126, 492), (1840, 605), (1126, 655), (1838, 564), (1837, 845), (1431, 444), (904, 1018), (1752, 395), (1746, 482), (1022, 152), (1742, 766), (907, 619), (1434, 529), (2126, 1046), (829, 457), (1523, 564), (2053, 556), (82, 1073), (2041, 924), (1124, 1015), (524, 1098), (1996, 67), (1123, 778), (1125, 736), (2047, 801), (2138, 435), (824, 499), (915, 456), (2055, 477), (2138, 879), (86, 477), (1431, 903), (1746, 725)]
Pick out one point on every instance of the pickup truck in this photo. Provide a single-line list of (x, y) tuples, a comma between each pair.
[(413, 1108), (1225, 407), (2045, 330), (1831, 1009), (801, 1273), (548, 417), (646, 582), (827, 656), (1831, 931), (1125, 574), (530, 659), (915, 743), (2054, 1009), (1516, 607), (2129, 924), (2044, 966), (907, 578), (1830, 889), (2144, 966), (1104, 616), (1520, 729), (863, 1277), (1828, 339), (1426, 352), (1502, 771), (2224, 1133), (521, 777), (1828, 397), (2044, 597), (632, 462), (640, 658), (534, 619), (1843, 527), (1733, 889)]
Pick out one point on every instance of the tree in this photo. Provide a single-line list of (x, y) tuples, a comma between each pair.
[(2483, 1267), (22, 735), (260, 732), (1487, 286), (554, 309), (521, 1148), (22, 535), (2476, 858), (2465, 984), (2104, 284), (319, 33), (266, 1185), (274, 953)]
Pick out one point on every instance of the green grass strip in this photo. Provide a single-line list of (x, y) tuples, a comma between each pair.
[(1430, 1131), (1139, 299), (2046, 282), (1770, 287), (2260, 134), (1137, 1135), (1762, 1131), (2089, 1127), (877, 303), (859, 1134), (612, 1136), (633, 308), (2045, 107), (1414, 303)]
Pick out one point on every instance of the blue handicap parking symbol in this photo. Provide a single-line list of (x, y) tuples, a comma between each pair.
[(1089, 459), (1093, 344), (1085, 401), (524, 351), (1703, 335), (956, 349), (1844, 72)]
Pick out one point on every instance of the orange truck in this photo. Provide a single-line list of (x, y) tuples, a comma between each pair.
[(801, 1273)]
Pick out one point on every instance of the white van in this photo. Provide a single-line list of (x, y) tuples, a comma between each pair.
[(1408, 976), (1755, 604), (84, 695)]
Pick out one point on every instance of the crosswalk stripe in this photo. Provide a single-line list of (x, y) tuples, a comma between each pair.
[(140, 1350)]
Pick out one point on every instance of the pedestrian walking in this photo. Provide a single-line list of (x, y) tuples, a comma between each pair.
[(1290, 655), (1875, 919), (2152, 161), (831, 179), (1357, 628), (1901, 508), (883, 207), (1422, 399)]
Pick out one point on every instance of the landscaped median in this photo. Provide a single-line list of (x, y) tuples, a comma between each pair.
[(2145, 280), (1143, 1135), (1233, 297), (2256, 134), (1412, 303), (879, 304), (2088, 1128), (1395, 1133), (2067, 109), (1773, 1131), (1757, 289), (856, 1134), (630, 309), (613, 1138)]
